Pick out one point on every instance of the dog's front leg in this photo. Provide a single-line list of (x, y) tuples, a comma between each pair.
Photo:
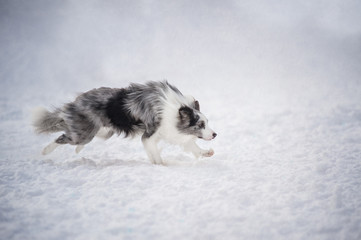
[(151, 148), (192, 147)]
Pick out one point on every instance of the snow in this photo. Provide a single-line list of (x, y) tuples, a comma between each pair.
[(278, 81)]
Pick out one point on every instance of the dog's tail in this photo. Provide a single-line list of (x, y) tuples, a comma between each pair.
[(47, 122)]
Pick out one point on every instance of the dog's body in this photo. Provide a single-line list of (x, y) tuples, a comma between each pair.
[(157, 110)]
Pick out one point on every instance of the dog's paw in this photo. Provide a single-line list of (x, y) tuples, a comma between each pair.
[(51, 147), (208, 153)]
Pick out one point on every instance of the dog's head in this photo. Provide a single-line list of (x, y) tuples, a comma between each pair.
[(192, 122)]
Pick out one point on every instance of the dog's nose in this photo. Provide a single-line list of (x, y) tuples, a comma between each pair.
[(214, 135)]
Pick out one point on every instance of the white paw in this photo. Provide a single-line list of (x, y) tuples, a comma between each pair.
[(208, 153), (51, 147)]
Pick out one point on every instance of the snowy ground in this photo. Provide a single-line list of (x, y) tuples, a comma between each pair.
[(279, 83)]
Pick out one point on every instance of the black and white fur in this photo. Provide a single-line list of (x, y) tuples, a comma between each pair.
[(157, 110)]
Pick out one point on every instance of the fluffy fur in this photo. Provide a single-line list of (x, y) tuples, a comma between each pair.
[(156, 110)]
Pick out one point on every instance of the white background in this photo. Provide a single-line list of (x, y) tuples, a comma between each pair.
[(278, 80)]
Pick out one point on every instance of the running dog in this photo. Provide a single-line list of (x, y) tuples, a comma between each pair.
[(156, 110)]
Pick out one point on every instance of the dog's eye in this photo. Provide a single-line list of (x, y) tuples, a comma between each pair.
[(202, 125)]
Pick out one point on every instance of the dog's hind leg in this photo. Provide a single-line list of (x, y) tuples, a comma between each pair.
[(63, 139), (81, 130), (51, 147), (79, 148)]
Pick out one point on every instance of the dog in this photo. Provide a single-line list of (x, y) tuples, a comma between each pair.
[(155, 110)]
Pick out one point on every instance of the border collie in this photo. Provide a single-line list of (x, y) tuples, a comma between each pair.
[(157, 110)]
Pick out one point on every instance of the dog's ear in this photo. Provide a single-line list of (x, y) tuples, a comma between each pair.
[(185, 113), (187, 116), (196, 105)]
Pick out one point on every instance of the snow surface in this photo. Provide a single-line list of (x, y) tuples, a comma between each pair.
[(278, 80)]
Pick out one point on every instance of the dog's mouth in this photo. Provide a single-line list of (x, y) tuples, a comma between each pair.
[(207, 139)]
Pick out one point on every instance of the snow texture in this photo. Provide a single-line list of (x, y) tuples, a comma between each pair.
[(278, 80)]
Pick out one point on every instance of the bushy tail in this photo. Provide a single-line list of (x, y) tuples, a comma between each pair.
[(47, 122)]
